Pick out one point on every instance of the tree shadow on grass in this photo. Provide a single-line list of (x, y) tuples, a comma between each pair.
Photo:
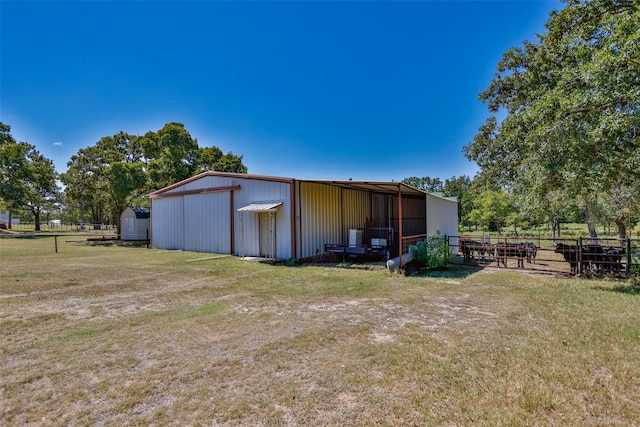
[(632, 287), (450, 271)]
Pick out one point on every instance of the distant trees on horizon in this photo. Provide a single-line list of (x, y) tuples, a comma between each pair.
[(103, 179)]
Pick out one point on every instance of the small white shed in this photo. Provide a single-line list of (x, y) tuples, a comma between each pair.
[(134, 223)]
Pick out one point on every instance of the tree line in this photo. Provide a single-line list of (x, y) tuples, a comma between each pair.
[(498, 210), (103, 179)]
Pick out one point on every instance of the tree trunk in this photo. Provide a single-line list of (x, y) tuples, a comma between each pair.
[(36, 216), (10, 219), (593, 233), (555, 228), (115, 220), (622, 228)]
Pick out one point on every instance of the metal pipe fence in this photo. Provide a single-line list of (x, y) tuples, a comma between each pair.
[(617, 256)]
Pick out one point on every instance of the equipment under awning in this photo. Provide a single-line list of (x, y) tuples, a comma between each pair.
[(261, 207)]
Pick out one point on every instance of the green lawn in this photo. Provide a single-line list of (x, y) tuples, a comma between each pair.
[(99, 334)]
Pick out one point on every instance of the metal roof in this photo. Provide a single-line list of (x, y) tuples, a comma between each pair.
[(261, 207), (374, 186), (140, 211)]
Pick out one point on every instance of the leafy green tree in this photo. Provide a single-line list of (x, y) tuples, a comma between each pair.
[(571, 104), (123, 182), (27, 178), (12, 160), (457, 187), (84, 183), (426, 184), (460, 188), (211, 158), (120, 170), (107, 177), (492, 210), (171, 155), (617, 207)]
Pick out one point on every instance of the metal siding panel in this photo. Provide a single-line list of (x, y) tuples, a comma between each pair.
[(380, 210), (355, 209), (442, 216), (188, 225), (168, 222), (320, 217), (207, 225)]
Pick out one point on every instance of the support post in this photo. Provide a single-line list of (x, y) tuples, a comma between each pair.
[(400, 222), (579, 255)]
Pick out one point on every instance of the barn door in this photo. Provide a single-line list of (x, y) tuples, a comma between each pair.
[(267, 235)]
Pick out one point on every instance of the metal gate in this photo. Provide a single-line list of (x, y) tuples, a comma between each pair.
[(567, 255)]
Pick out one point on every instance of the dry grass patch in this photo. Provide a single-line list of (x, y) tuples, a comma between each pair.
[(98, 335)]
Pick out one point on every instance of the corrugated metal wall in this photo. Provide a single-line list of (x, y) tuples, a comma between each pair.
[(318, 217), (167, 222), (355, 210), (207, 223), (202, 222), (325, 213), (380, 210)]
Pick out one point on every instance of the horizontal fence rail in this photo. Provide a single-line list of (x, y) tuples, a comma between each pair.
[(618, 256), (53, 226)]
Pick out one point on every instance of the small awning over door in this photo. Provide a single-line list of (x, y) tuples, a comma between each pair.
[(261, 207), (266, 238)]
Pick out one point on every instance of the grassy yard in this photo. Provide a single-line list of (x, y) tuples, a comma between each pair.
[(112, 336)]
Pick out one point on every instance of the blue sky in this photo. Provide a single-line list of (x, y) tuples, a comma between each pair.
[(311, 89)]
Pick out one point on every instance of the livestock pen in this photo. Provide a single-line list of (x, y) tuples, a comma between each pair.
[(618, 256)]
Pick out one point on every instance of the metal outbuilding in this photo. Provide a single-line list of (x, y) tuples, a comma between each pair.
[(135, 223), (277, 217)]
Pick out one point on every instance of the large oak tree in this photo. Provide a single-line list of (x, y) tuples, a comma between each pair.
[(120, 170), (565, 110)]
